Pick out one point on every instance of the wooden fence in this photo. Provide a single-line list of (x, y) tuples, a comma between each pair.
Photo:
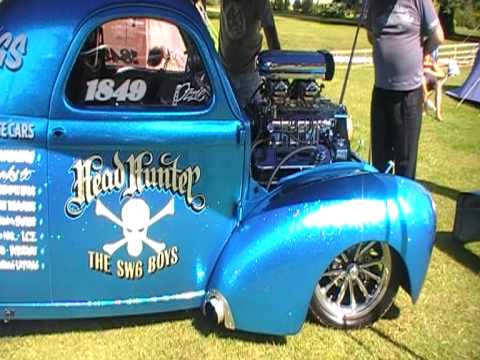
[(464, 54)]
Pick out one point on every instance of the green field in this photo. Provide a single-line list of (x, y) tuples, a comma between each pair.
[(313, 34), (468, 32), (444, 324)]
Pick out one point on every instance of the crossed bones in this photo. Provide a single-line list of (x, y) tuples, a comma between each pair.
[(135, 223)]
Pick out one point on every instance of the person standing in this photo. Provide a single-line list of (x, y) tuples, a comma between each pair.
[(240, 42), (433, 80), (401, 32)]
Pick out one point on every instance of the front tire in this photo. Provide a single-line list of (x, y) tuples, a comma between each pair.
[(358, 286)]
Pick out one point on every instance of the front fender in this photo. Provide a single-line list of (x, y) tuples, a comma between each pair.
[(269, 268)]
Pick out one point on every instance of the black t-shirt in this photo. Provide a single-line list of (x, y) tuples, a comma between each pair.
[(240, 32)]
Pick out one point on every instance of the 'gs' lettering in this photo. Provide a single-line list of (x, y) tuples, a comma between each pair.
[(12, 50)]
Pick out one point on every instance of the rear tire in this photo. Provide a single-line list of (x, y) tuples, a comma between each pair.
[(358, 287)]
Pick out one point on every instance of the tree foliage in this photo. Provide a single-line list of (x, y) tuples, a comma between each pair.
[(280, 5), (448, 9), (307, 6), (465, 13), (297, 5)]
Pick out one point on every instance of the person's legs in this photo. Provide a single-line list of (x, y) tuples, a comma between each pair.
[(429, 86), (426, 95), (245, 85), (381, 140), (438, 97), (407, 116)]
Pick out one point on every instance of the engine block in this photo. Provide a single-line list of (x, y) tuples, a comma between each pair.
[(294, 126)]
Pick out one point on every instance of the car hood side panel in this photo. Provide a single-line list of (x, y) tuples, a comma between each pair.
[(271, 264)]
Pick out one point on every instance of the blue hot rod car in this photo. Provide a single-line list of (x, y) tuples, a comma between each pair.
[(131, 182)]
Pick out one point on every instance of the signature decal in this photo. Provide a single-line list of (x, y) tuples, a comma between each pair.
[(186, 93), (131, 177), (12, 50)]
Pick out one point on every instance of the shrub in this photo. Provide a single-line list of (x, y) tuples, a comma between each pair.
[(466, 17), (280, 5), (333, 10), (297, 5), (307, 6)]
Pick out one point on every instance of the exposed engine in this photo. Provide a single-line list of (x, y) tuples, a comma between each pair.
[(294, 126)]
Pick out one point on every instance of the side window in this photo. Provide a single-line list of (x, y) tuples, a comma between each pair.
[(135, 62)]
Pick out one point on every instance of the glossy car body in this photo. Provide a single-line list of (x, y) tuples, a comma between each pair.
[(68, 172)]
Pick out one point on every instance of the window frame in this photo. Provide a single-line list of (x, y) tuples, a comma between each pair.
[(132, 107), (61, 106)]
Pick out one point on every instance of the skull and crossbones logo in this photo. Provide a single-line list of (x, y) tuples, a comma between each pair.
[(135, 222)]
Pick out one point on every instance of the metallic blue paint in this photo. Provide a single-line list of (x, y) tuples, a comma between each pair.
[(36, 160), (270, 266), (105, 308), (263, 251)]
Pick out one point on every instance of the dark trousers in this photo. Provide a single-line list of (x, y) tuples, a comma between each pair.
[(395, 129)]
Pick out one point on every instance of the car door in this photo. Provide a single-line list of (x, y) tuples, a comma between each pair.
[(24, 258), (146, 163), (24, 253)]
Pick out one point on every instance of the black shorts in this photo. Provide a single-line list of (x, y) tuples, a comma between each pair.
[(431, 81)]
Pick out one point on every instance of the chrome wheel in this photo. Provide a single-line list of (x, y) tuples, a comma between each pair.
[(352, 292)]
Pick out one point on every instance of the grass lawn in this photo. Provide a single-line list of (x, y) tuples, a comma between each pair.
[(467, 32), (444, 324), (313, 34)]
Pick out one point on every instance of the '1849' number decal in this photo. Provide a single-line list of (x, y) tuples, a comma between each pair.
[(104, 90)]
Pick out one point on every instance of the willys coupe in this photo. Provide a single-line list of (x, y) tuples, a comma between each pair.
[(131, 182)]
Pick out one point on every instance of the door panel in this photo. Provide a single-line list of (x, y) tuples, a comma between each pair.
[(116, 234), (146, 164), (24, 251)]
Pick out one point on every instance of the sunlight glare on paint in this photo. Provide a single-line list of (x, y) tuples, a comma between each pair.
[(346, 213)]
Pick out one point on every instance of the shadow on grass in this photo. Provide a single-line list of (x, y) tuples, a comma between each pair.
[(457, 251), (445, 241), (351, 335), (395, 343), (207, 328), (393, 313), (440, 189), (43, 327), (450, 87), (20, 328)]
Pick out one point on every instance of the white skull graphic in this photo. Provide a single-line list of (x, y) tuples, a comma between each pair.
[(135, 223)]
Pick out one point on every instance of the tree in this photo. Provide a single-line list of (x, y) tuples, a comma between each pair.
[(297, 5), (447, 11), (446, 14), (349, 4), (307, 6), (280, 5)]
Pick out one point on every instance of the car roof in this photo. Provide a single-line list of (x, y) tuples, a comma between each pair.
[(50, 26), (73, 12)]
